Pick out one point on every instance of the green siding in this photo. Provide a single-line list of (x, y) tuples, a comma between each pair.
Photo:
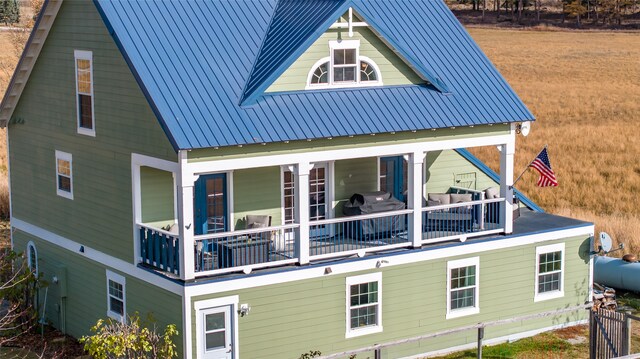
[(257, 191), (157, 195), (100, 215), (86, 299), (394, 71), (292, 318), (356, 142), (354, 176), (441, 168)]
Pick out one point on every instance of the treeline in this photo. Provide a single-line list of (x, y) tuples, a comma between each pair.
[(605, 12)]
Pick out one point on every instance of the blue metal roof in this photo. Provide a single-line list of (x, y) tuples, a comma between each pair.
[(496, 177), (196, 61)]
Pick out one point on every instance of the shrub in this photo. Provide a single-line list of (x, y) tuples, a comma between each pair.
[(114, 339)]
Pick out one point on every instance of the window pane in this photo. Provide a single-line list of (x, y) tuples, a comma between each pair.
[(83, 64), (464, 298), (215, 340), (338, 57), (64, 167), (86, 116), (350, 56), (321, 74), (116, 305), (367, 72), (115, 289), (214, 321), (64, 183), (366, 316), (549, 282)]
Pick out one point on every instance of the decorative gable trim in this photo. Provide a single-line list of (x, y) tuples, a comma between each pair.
[(27, 61), (257, 83)]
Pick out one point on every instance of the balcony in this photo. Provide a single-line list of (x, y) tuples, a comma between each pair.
[(191, 220)]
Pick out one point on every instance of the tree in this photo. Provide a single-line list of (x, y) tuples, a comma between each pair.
[(131, 340), (575, 9), (9, 12)]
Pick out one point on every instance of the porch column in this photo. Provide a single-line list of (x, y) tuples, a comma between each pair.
[(415, 197), (302, 211), (185, 219), (507, 151)]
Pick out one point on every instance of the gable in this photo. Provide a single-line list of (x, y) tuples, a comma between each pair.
[(393, 70)]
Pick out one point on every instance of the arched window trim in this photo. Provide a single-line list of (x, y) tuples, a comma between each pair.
[(313, 70), (31, 248), (331, 85)]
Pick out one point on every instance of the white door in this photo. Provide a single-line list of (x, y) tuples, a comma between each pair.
[(217, 332)]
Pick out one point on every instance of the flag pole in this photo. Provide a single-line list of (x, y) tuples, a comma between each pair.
[(525, 169)]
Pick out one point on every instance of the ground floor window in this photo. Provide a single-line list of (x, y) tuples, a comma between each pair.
[(462, 287), (32, 258), (364, 304), (549, 272), (116, 300)]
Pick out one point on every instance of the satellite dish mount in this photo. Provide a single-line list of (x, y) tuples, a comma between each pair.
[(606, 244)]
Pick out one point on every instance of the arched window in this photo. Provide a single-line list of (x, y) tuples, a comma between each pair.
[(345, 69), (321, 74), (32, 258), (367, 72)]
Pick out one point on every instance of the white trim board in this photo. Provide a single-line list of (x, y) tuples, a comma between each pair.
[(97, 256), (222, 165), (495, 341), (317, 271)]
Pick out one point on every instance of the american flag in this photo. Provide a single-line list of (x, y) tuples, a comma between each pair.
[(542, 165)]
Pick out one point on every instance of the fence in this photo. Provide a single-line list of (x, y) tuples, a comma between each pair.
[(610, 334)]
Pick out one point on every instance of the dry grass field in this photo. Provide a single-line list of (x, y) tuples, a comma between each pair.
[(584, 89)]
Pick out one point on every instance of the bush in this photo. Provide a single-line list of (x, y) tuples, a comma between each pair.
[(114, 339), (18, 290), (9, 11)]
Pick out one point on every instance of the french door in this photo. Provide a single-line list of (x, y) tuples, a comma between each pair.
[(393, 176), (211, 212)]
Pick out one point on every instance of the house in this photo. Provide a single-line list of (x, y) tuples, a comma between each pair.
[(196, 160)]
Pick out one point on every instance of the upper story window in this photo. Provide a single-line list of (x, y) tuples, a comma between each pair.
[(84, 92), (64, 174), (345, 67)]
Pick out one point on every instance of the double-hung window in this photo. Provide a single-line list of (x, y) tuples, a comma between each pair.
[(64, 174), (364, 304), (84, 92), (463, 287), (549, 272), (116, 296)]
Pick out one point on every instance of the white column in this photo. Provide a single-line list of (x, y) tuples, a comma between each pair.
[(302, 211), (415, 197), (507, 151), (185, 219)]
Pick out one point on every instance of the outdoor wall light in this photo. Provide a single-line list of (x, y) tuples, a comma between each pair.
[(244, 309), (81, 249), (327, 270), (381, 262)]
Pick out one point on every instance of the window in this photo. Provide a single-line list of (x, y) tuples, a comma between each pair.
[(288, 196), (116, 296), (549, 272), (84, 92), (64, 175), (462, 287), (317, 192), (345, 67), (364, 304), (32, 258)]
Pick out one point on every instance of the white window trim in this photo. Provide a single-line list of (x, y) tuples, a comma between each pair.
[(366, 278), (84, 55), (467, 262), (114, 277), (213, 303), (337, 45), (65, 156), (558, 247), (32, 266)]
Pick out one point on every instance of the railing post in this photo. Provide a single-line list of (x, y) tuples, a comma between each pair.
[(416, 169), (302, 211), (507, 151), (185, 219)]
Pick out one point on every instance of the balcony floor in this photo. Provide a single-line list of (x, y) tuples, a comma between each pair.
[(528, 223)]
